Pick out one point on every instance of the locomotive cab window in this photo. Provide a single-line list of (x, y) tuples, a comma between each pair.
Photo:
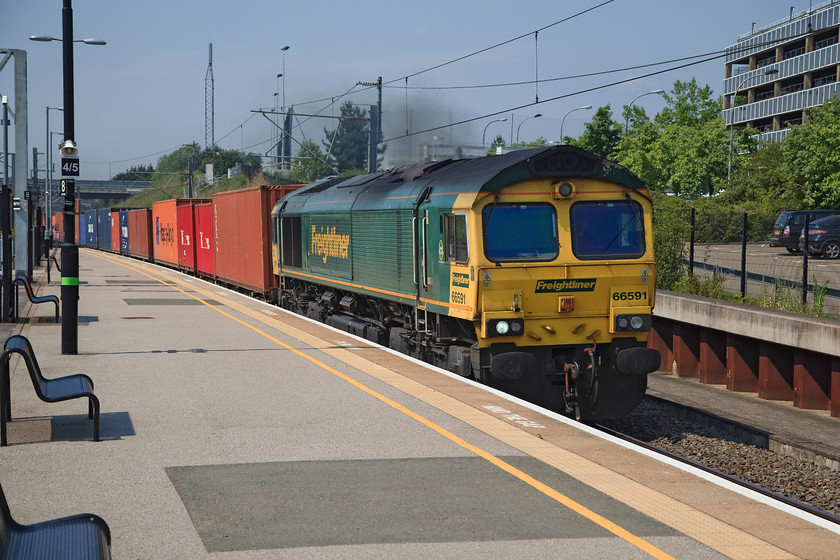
[(609, 229), (455, 234), (520, 232)]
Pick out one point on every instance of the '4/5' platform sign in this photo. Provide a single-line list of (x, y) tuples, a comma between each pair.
[(70, 167)]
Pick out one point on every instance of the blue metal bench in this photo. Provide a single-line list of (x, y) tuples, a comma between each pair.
[(49, 390), (78, 537), (23, 280)]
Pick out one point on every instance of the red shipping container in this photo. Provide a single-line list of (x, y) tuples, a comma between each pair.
[(164, 226), (203, 240), (186, 232), (140, 233), (58, 227), (115, 231), (242, 236)]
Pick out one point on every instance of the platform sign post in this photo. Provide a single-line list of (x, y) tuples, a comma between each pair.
[(69, 250)]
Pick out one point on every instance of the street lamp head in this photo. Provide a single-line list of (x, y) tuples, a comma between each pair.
[(658, 91), (538, 115), (771, 71), (284, 49), (503, 120), (587, 107), (47, 39)]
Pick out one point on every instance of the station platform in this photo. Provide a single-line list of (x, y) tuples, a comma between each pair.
[(234, 430)]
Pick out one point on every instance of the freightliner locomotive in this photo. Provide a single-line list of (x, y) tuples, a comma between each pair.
[(532, 272)]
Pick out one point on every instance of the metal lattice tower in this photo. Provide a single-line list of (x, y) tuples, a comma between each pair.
[(209, 114)]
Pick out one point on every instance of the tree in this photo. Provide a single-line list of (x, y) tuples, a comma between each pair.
[(635, 152), (688, 105), (601, 135), (763, 181), (347, 144), (692, 160), (540, 142), (310, 164), (135, 173), (813, 156)]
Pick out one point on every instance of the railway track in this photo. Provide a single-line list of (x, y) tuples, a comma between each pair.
[(797, 483)]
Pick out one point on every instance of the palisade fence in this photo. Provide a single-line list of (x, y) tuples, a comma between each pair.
[(755, 273)]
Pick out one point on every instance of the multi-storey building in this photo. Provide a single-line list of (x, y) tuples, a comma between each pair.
[(775, 73)]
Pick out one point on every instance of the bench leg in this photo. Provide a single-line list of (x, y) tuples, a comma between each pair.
[(5, 403), (93, 412)]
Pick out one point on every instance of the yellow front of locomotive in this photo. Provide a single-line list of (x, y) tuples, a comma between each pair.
[(564, 288)]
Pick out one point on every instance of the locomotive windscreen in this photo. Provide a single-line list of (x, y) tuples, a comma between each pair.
[(520, 232), (607, 230)]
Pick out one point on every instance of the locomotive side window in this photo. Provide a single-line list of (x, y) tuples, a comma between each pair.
[(611, 229), (455, 234), (292, 246), (520, 232)]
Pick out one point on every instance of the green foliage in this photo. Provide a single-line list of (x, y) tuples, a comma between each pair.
[(671, 230), (692, 160), (762, 181), (310, 164), (538, 143), (784, 298), (347, 144), (601, 135), (688, 105), (711, 287), (135, 173), (813, 156)]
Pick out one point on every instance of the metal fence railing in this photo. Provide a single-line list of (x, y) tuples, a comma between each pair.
[(755, 269)]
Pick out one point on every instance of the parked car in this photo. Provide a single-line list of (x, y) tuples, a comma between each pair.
[(823, 238), (788, 227)]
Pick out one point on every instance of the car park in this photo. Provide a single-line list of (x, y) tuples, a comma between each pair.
[(789, 224), (823, 238)]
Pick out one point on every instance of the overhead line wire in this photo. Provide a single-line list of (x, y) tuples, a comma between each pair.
[(526, 105)]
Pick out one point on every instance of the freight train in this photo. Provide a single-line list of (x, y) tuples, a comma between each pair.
[(532, 272)]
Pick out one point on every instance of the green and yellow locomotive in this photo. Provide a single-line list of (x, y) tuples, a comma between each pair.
[(532, 271)]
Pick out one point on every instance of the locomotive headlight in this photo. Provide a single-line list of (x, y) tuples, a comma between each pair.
[(628, 322), (505, 327)]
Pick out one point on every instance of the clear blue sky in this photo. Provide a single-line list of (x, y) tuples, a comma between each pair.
[(142, 94)]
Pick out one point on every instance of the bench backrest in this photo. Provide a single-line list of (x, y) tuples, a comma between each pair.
[(19, 344), (25, 281)]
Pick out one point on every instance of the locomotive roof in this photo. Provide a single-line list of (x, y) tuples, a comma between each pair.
[(402, 187)]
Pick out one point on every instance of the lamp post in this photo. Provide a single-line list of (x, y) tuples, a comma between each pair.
[(53, 134), (627, 118), (538, 115), (282, 109), (732, 114), (48, 188), (584, 108), (69, 250), (276, 132), (483, 143)]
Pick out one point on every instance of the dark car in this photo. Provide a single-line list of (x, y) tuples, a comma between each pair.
[(823, 238), (789, 226)]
